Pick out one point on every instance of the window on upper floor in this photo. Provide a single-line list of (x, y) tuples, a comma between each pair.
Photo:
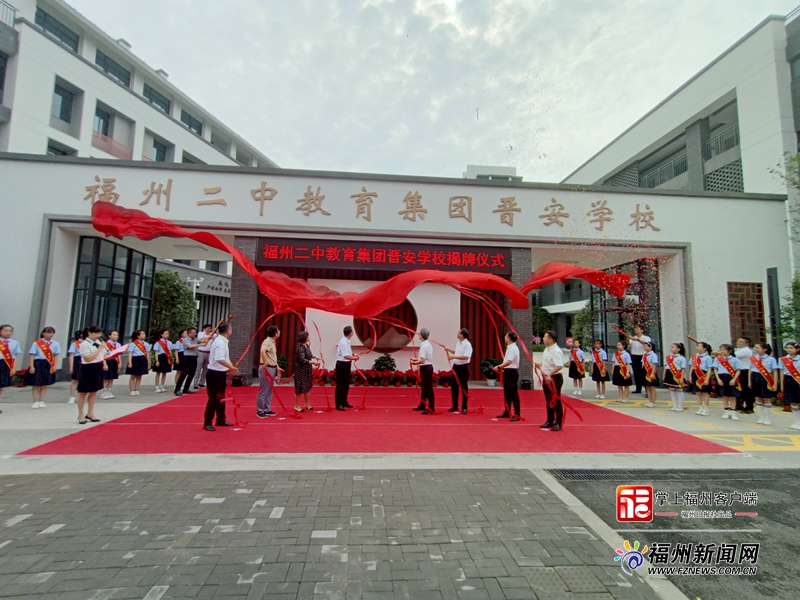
[(160, 101), (3, 63), (795, 64), (57, 29), (191, 123), (113, 69), (61, 107), (213, 265), (55, 148), (159, 151), (102, 122)]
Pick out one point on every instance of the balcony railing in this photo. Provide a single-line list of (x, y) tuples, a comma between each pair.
[(7, 13), (576, 295), (108, 145), (664, 173), (722, 142)]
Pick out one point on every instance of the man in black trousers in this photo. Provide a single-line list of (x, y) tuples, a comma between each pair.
[(459, 380), (344, 358), (425, 362), (219, 365)]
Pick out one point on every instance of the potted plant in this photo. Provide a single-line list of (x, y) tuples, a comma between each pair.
[(486, 368), (18, 378), (411, 377), (283, 363), (444, 378)]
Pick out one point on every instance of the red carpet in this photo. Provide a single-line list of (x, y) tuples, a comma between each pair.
[(386, 426)]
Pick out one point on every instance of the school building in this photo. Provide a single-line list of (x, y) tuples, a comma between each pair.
[(350, 230)]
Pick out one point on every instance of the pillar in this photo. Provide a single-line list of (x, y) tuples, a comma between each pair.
[(696, 138), (522, 320), (244, 308)]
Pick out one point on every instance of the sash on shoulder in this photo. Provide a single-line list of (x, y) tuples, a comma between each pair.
[(650, 369), (47, 351), (601, 365), (676, 373), (702, 377), (623, 368), (165, 346), (726, 364), (759, 364), (578, 363), (140, 345), (111, 347), (790, 368), (5, 352)]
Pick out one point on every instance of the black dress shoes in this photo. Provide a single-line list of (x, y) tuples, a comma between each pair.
[(546, 425), (340, 408), (419, 408), (210, 428), (505, 415), (514, 419), (225, 424), (452, 410), (556, 427), (426, 412), (464, 411), (348, 405)]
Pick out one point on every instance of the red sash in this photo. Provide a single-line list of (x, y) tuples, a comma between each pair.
[(599, 362), (676, 374), (111, 347), (702, 378), (578, 363), (140, 345), (48, 353), (792, 370), (165, 346), (650, 369), (764, 372), (623, 368), (5, 351), (727, 366)]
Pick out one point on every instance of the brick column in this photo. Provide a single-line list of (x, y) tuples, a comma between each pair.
[(244, 308), (522, 320), (696, 137)]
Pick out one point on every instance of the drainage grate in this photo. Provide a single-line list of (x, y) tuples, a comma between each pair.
[(625, 476)]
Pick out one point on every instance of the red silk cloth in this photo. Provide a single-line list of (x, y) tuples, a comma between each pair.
[(291, 294)]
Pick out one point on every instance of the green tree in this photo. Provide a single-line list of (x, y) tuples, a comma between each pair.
[(542, 320), (789, 174), (173, 305), (789, 328), (582, 326)]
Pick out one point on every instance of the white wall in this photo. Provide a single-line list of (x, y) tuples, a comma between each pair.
[(438, 309)]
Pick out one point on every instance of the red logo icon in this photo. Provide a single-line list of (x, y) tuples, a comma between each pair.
[(635, 503)]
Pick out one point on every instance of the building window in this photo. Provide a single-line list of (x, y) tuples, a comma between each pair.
[(213, 265), (158, 100), (62, 104), (113, 69), (159, 151), (57, 29), (53, 151), (3, 63), (102, 122), (191, 122)]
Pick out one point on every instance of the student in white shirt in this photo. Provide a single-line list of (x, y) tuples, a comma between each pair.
[(219, 365), (459, 380), (637, 352), (510, 366), (93, 353), (425, 362), (743, 352), (202, 356), (551, 366), (345, 357)]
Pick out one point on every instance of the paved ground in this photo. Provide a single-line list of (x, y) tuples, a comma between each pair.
[(357, 535), (775, 525)]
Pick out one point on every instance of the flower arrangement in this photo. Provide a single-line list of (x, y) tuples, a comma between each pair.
[(18, 378), (411, 377), (443, 377)]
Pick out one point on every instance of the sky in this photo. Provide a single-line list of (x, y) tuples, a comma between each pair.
[(425, 87)]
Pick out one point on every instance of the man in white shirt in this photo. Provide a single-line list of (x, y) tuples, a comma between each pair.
[(510, 367), (459, 380), (202, 357), (344, 358), (425, 361), (551, 365), (743, 352), (636, 350), (219, 365)]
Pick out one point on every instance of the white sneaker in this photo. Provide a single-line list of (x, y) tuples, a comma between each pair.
[(42, 405), (726, 414), (767, 421), (651, 404), (109, 395), (706, 412), (794, 425), (133, 393), (597, 396), (734, 416), (699, 411), (602, 397), (35, 405), (760, 420), (71, 401), (580, 392)]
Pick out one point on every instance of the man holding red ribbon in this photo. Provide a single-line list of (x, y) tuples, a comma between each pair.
[(345, 357), (219, 365), (510, 367), (461, 355), (425, 362), (551, 365)]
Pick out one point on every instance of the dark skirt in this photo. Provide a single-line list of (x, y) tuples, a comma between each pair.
[(647, 383), (76, 367), (791, 390), (727, 390), (42, 376), (697, 389), (5, 375), (669, 380), (618, 379), (138, 366), (596, 376), (303, 378), (113, 370), (163, 365), (573, 371), (91, 380), (760, 388)]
